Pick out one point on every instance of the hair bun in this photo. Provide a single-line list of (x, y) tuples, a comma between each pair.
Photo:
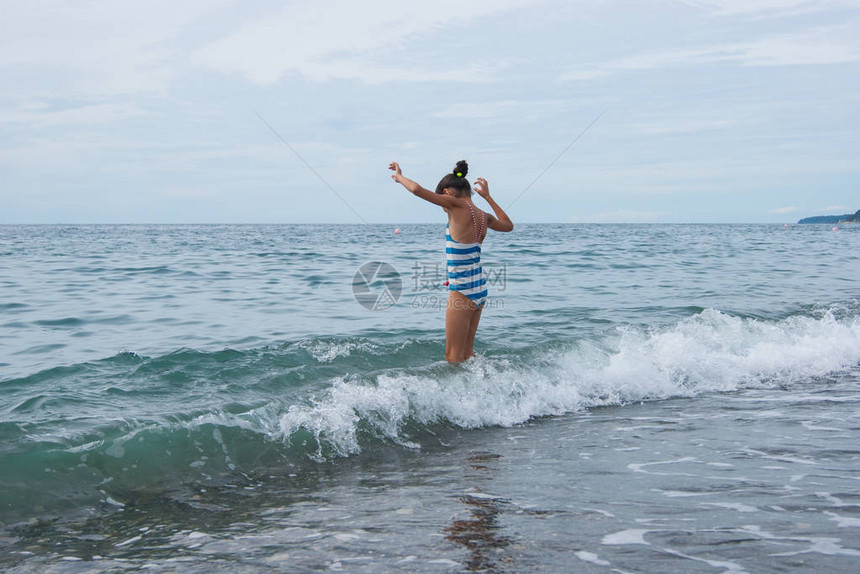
[(462, 168)]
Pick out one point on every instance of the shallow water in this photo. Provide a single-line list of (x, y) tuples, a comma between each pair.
[(668, 398)]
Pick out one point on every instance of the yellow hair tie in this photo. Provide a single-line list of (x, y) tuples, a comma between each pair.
[(458, 174)]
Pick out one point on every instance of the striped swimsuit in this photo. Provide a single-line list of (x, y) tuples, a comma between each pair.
[(464, 263)]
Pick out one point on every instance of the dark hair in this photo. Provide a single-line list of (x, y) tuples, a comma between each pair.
[(456, 180)]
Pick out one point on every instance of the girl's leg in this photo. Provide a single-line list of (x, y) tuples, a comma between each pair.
[(458, 320), (473, 328)]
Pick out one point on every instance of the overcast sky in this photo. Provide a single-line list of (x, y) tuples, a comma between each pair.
[(715, 110)]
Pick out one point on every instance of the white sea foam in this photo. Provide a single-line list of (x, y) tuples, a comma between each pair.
[(740, 507), (843, 521), (326, 351), (631, 536), (708, 352), (724, 564), (591, 557), (818, 544)]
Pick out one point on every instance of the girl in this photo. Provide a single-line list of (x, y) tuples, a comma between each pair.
[(467, 227)]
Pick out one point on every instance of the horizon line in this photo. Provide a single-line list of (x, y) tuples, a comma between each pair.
[(93, 223)]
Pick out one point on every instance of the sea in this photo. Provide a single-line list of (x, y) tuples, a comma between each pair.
[(274, 398)]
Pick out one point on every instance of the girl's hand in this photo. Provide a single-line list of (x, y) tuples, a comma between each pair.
[(395, 167), (481, 188)]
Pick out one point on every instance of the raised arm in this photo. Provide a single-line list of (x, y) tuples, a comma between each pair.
[(501, 222), (445, 201)]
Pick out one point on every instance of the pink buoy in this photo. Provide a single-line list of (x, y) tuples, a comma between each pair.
[(835, 229), (397, 231)]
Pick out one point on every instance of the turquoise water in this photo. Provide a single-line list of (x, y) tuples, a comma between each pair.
[(646, 398)]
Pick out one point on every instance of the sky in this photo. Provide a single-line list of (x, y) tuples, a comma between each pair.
[(219, 111)]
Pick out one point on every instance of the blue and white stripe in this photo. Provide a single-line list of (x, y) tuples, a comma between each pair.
[(464, 269)]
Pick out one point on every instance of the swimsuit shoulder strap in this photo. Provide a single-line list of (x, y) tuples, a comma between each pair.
[(483, 222), (474, 223)]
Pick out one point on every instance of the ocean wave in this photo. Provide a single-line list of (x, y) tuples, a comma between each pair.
[(708, 352), (192, 416)]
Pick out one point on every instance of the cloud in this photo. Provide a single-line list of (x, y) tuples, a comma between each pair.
[(40, 114), (69, 152), (135, 98), (530, 109), (480, 110), (772, 8), (190, 192), (820, 46), (784, 210), (680, 127), (93, 48), (345, 39)]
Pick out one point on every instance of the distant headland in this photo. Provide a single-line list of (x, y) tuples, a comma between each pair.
[(847, 218)]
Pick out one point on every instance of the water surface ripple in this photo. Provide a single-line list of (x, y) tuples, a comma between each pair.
[(646, 398)]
